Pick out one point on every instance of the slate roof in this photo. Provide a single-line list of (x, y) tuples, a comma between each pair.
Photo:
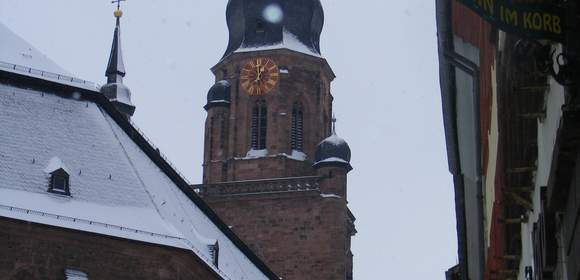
[(16, 50), (120, 185)]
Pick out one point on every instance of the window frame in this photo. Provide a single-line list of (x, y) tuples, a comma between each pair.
[(259, 125), (54, 177), (297, 127)]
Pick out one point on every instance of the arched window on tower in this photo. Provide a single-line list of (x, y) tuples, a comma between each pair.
[(259, 125), (296, 135)]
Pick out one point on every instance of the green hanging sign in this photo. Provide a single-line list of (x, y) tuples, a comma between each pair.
[(540, 21)]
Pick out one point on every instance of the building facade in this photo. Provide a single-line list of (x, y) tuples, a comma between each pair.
[(274, 168), (85, 195), (510, 113)]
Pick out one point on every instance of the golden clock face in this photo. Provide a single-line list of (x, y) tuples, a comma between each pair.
[(259, 76)]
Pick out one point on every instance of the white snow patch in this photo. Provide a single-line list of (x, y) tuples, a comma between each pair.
[(328, 195), (296, 155), (219, 101), (256, 154), (289, 41), (333, 159), (55, 164), (223, 83), (72, 274), (203, 239), (334, 139)]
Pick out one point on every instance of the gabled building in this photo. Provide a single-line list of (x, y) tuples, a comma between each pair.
[(511, 112), (85, 195)]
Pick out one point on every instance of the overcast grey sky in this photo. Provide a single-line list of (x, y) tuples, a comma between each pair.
[(386, 99)]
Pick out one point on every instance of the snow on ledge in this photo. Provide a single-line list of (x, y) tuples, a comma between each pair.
[(333, 159), (296, 155), (289, 41), (55, 164), (219, 101), (255, 154), (329, 195), (252, 154)]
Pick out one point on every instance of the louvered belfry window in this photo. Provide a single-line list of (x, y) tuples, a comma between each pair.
[(296, 135), (259, 125)]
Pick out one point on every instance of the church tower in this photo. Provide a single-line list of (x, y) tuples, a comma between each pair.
[(274, 168)]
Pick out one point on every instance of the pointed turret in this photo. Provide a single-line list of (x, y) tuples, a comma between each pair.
[(115, 90)]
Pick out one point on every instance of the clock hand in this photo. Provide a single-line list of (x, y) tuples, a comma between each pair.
[(258, 75)]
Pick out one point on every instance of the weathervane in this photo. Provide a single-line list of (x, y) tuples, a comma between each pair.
[(333, 124)]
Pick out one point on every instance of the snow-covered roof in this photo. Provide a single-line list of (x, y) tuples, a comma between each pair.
[(17, 51), (18, 56), (335, 140), (289, 41), (113, 182), (55, 164)]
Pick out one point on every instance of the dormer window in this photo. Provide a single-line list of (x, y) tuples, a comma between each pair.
[(215, 252), (59, 182), (59, 178)]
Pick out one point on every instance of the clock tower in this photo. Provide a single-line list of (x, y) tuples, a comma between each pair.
[(274, 168)]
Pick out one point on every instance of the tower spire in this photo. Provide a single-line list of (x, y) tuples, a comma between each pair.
[(115, 90), (116, 68)]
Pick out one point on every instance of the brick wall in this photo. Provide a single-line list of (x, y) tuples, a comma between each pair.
[(299, 235), (33, 251), (307, 82)]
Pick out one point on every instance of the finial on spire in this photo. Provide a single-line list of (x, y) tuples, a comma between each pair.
[(116, 68), (333, 123), (118, 13), (115, 90)]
